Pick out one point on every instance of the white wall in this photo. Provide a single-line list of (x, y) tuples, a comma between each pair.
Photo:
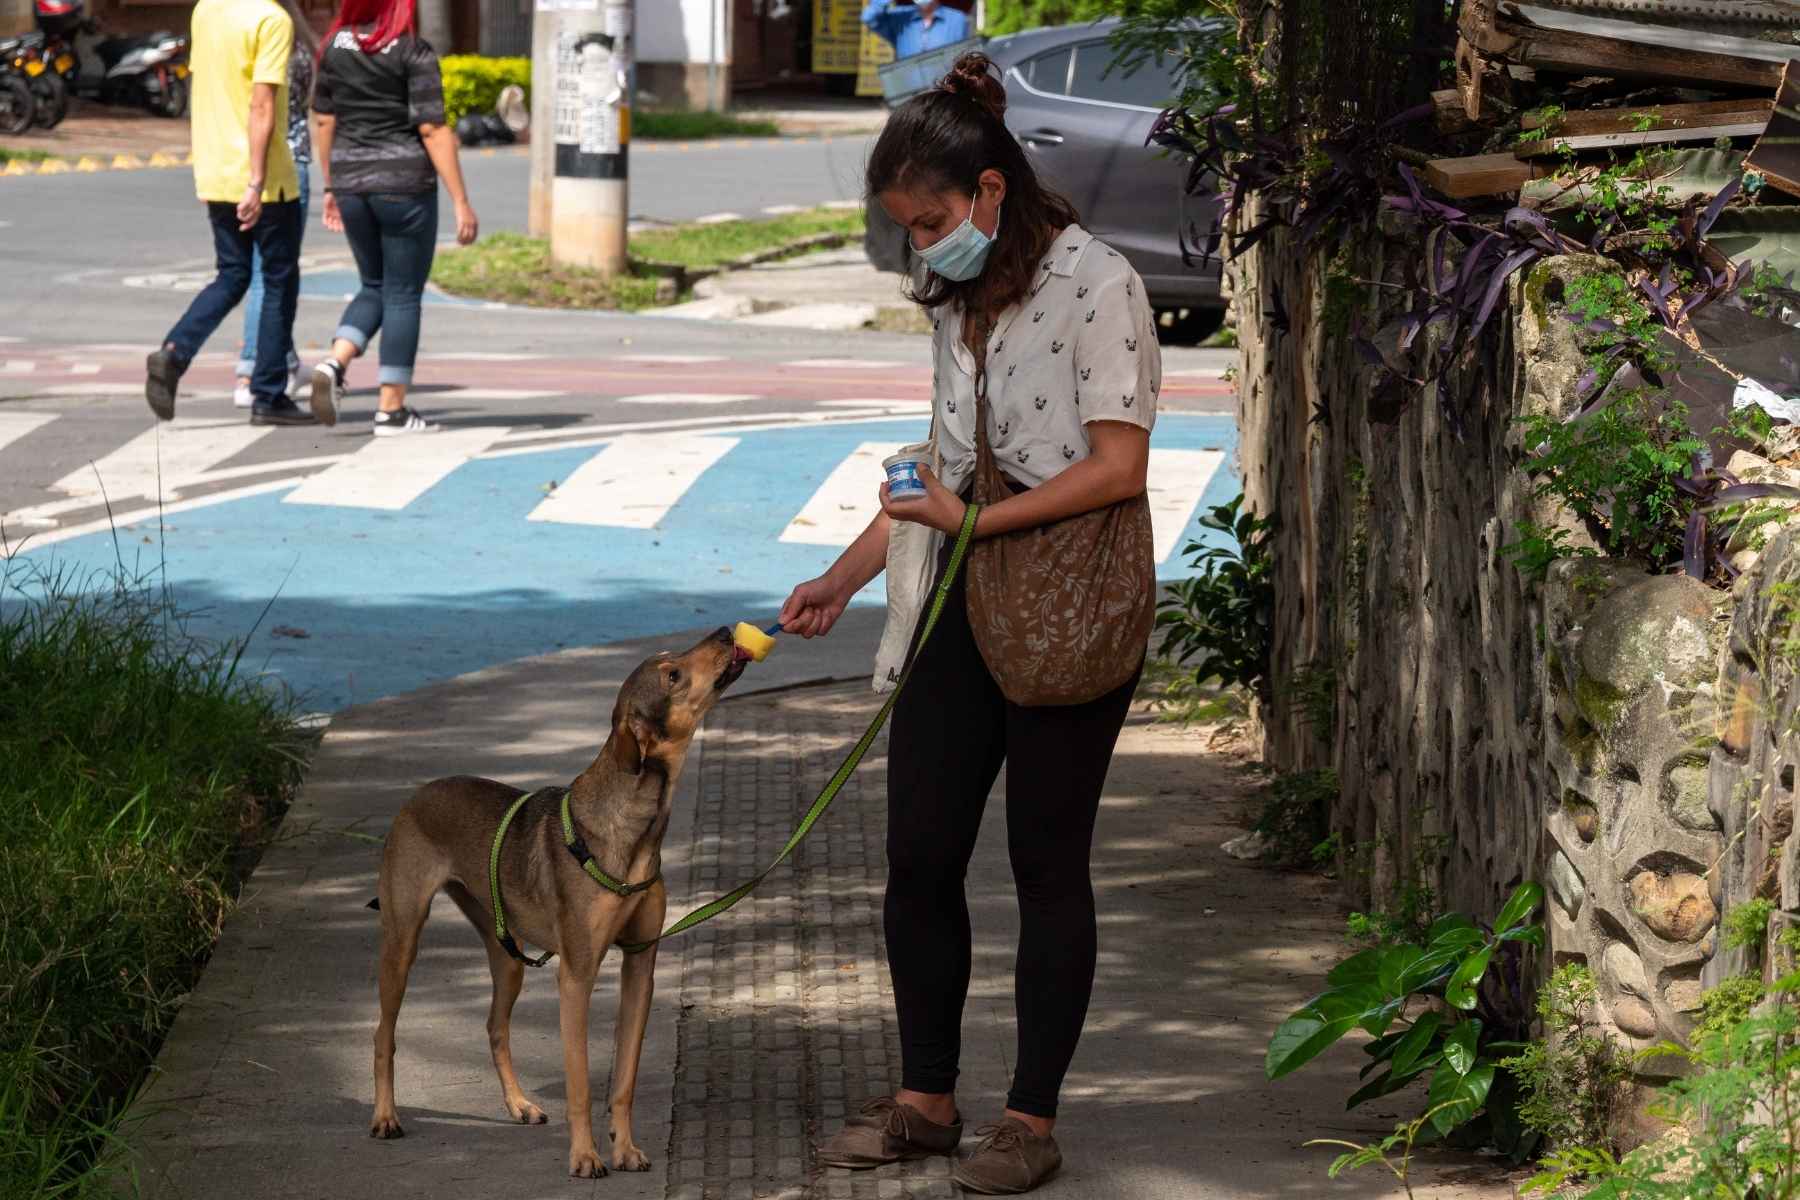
[(684, 31)]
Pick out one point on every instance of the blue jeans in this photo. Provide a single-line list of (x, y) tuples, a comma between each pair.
[(276, 238), (253, 302), (393, 238)]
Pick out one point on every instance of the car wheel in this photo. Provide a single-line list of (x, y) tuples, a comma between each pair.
[(1188, 326)]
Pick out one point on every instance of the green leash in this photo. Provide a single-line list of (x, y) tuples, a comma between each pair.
[(713, 908)]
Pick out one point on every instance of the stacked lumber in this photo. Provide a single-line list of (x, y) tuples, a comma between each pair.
[(1622, 74)]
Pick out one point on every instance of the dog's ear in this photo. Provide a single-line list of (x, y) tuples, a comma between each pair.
[(633, 739)]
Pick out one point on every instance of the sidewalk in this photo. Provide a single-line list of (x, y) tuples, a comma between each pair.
[(772, 1020)]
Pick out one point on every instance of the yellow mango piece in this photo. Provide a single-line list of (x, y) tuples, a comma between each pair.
[(754, 641)]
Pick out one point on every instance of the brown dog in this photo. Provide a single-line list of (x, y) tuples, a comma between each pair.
[(620, 804)]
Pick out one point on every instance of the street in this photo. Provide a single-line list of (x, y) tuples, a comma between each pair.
[(598, 476)]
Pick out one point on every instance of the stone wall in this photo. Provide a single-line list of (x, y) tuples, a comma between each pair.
[(1628, 740)]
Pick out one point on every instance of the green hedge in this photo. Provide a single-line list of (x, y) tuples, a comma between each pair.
[(472, 83), (1010, 16)]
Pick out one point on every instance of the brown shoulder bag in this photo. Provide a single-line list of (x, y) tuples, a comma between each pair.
[(1061, 613)]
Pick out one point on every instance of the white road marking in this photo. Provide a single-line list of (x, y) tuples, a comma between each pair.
[(842, 205), (846, 502), (867, 364), (84, 368), (782, 210), (125, 519), (634, 482), (601, 435), (491, 394), (886, 401), (687, 398), (15, 425), (99, 389), (718, 218), (17, 366), (1178, 478), (390, 473), (484, 356), (166, 456), (674, 359)]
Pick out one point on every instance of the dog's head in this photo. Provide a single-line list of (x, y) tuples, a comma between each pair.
[(663, 702)]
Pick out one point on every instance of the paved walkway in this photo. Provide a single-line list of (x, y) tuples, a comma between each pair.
[(773, 1019)]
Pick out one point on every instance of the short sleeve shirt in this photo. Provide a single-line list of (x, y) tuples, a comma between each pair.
[(379, 100), (1080, 348), (237, 44)]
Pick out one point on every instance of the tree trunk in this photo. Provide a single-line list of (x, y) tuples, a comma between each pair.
[(434, 25)]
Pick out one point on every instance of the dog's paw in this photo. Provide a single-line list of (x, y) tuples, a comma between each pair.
[(586, 1164), (527, 1113), (630, 1158), (386, 1128)]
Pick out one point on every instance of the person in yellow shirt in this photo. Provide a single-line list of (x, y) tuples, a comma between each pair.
[(244, 174)]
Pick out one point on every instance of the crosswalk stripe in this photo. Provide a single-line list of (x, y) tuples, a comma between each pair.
[(169, 454), (1178, 478), (846, 502), (633, 482), (84, 368), (687, 398), (864, 364), (15, 425), (674, 359), (390, 473), (17, 366), (499, 394)]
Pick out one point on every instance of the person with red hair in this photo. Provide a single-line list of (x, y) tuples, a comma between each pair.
[(383, 144)]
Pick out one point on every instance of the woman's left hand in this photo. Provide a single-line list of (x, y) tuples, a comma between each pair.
[(332, 217), (939, 507)]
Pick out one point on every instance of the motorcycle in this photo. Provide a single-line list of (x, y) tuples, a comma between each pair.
[(18, 108), (149, 70), (30, 55)]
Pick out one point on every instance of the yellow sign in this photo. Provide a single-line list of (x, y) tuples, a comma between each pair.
[(875, 52), (837, 36)]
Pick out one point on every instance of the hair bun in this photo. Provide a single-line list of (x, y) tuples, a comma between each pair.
[(973, 77)]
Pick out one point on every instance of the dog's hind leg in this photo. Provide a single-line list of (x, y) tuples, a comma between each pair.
[(410, 875), (509, 977), (636, 984)]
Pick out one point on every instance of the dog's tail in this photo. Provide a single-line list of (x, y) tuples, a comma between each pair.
[(374, 904)]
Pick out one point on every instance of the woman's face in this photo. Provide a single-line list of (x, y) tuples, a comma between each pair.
[(928, 215)]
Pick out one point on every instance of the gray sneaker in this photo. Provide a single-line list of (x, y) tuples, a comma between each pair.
[(1010, 1160), (887, 1131)]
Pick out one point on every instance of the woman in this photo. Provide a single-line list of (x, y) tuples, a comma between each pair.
[(1072, 371), (299, 140), (382, 145)]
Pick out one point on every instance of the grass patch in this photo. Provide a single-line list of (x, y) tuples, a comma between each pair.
[(900, 318), (32, 156), (696, 126), (138, 775), (515, 269)]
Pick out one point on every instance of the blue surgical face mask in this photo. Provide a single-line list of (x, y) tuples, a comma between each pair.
[(960, 254)]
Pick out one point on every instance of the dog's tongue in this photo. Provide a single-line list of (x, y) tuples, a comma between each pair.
[(740, 655)]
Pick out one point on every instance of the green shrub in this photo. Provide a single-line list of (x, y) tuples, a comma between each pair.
[(1010, 16), (1224, 615), (1572, 1075), (1296, 815), (472, 82)]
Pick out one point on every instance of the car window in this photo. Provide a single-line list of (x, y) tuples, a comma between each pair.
[(1151, 85), (1049, 73)]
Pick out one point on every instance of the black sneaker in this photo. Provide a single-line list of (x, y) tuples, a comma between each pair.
[(327, 391), (279, 412), (162, 374), (401, 421)]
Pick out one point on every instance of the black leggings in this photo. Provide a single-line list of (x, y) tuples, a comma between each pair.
[(952, 728)]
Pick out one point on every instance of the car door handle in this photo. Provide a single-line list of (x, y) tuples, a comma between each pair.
[(1043, 137)]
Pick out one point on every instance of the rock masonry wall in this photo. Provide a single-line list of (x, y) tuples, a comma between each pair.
[(1628, 740)]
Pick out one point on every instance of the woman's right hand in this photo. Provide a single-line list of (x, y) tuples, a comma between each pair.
[(334, 219), (814, 607), (467, 227)]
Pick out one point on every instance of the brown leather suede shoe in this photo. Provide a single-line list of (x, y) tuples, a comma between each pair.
[(1010, 1159), (885, 1131)]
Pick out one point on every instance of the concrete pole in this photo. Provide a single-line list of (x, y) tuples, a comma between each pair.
[(592, 129), (543, 109)]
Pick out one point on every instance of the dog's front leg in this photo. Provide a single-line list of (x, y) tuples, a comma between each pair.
[(575, 982), (637, 982)]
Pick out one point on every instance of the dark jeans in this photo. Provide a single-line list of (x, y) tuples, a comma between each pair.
[(276, 238), (393, 239), (952, 729)]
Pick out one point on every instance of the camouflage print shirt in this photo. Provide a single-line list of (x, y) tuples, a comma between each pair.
[(300, 82)]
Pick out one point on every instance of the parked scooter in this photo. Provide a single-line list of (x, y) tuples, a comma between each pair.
[(147, 70), (18, 109), (30, 55)]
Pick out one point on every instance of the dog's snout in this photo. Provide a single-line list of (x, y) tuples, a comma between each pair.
[(723, 634)]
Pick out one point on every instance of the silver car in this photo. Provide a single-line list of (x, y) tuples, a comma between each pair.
[(1084, 125)]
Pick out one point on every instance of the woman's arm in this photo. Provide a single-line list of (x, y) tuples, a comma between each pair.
[(814, 607), (440, 145), (324, 129), (1116, 469)]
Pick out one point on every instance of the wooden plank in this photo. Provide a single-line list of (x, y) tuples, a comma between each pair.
[(1480, 175), (1652, 137), (1776, 155), (1583, 122), (1624, 49), (1448, 113)]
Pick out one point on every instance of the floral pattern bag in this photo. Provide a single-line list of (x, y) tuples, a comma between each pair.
[(1061, 613)]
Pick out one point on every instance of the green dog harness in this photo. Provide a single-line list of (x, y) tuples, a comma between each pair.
[(576, 846)]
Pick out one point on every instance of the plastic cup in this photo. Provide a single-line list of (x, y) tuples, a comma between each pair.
[(903, 477)]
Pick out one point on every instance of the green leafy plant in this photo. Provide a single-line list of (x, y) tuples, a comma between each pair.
[(1434, 1014), (472, 82), (1571, 1075), (1224, 614), (1404, 1138), (1296, 815), (1739, 1113), (1618, 470), (1538, 546)]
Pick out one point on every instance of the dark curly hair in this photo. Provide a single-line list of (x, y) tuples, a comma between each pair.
[(942, 140)]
